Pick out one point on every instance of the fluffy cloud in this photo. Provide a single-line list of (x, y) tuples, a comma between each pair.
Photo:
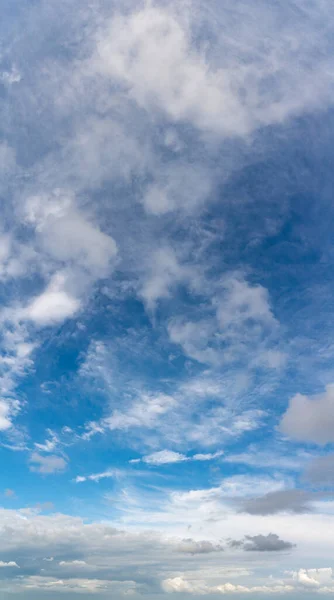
[(67, 234), (310, 418), (11, 563), (58, 548), (180, 584), (133, 50), (241, 328), (313, 578), (54, 305), (143, 114), (228, 99), (47, 464)]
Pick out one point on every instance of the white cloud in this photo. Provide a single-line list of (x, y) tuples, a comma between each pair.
[(121, 554), (164, 274), (165, 457), (242, 327), (144, 412), (178, 186), (133, 48), (208, 456), (230, 96), (47, 464), (54, 305), (11, 563), (10, 77), (68, 235), (180, 584), (71, 253), (5, 422), (242, 302), (110, 473), (313, 578), (194, 337), (72, 563), (310, 418), (50, 444), (15, 362), (72, 585), (258, 458)]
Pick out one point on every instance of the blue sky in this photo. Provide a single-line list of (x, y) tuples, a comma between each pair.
[(166, 250)]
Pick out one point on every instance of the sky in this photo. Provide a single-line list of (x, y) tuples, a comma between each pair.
[(166, 315)]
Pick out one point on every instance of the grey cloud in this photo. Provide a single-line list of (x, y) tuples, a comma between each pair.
[(60, 545), (47, 464), (320, 471), (189, 546), (265, 543), (295, 501), (310, 418)]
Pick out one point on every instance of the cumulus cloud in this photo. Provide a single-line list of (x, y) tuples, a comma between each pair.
[(229, 98), (133, 49), (138, 118), (241, 328), (67, 234), (47, 464), (64, 546), (54, 305), (11, 563), (312, 578), (180, 584), (310, 418)]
